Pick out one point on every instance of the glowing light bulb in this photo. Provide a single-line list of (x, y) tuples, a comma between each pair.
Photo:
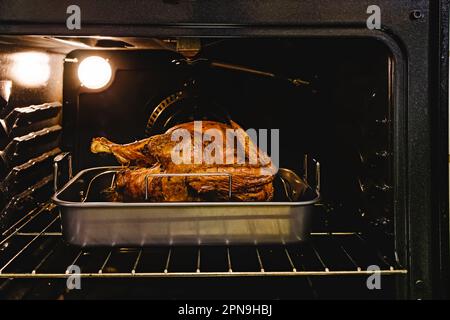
[(94, 72), (31, 69)]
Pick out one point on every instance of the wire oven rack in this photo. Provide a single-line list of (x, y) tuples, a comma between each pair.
[(27, 253)]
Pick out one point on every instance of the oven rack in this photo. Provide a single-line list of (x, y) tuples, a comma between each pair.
[(34, 248)]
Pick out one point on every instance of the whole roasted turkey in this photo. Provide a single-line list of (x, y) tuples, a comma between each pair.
[(251, 180)]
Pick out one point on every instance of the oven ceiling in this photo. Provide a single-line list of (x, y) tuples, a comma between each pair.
[(65, 45)]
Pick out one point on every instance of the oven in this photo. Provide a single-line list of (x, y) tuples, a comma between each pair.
[(356, 112)]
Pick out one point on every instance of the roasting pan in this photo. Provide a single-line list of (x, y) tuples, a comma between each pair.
[(86, 221)]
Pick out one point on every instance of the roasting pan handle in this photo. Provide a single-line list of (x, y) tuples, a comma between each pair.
[(56, 161)]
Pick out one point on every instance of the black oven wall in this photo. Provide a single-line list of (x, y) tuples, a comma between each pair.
[(342, 114)]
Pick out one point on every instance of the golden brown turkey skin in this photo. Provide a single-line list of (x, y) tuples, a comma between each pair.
[(126, 154), (130, 187), (251, 181)]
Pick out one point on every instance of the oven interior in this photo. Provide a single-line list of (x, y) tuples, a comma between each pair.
[(340, 110)]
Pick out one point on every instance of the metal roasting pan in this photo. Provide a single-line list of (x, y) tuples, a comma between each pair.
[(89, 222)]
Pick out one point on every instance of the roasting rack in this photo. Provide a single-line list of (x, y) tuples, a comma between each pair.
[(33, 248), (114, 172)]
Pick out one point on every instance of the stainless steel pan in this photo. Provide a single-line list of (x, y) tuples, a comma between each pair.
[(86, 221)]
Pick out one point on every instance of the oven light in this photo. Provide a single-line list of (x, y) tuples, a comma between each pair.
[(94, 72), (31, 69)]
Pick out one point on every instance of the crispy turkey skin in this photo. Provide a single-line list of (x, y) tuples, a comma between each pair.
[(251, 180)]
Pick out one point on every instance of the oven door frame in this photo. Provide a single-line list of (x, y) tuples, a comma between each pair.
[(421, 82)]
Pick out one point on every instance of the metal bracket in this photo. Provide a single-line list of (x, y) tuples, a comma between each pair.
[(60, 157), (317, 173)]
